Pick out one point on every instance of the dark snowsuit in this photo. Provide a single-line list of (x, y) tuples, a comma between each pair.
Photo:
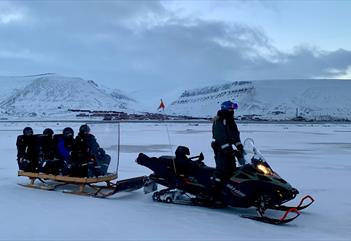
[(26, 153), (90, 159), (45, 149), (225, 133)]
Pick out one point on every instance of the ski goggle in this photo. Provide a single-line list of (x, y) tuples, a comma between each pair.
[(228, 105), (233, 106)]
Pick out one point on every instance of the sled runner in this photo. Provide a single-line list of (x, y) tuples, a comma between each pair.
[(87, 186), (254, 184)]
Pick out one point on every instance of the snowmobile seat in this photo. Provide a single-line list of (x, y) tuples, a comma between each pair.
[(163, 168)]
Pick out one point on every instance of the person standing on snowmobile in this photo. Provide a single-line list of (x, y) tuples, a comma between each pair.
[(225, 134)]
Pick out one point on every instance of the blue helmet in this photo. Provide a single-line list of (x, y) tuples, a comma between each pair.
[(227, 105)]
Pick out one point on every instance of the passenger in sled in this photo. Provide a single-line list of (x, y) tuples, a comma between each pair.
[(38, 153), (26, 152), (61, 154), (64, 144), (45, 148), (88, 158)]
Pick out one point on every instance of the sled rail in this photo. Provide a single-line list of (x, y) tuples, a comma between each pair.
[(86, 186), (68, 179)]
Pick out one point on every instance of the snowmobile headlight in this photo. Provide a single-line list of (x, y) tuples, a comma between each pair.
[(264, 169)]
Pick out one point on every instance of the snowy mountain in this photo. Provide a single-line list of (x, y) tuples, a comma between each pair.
[(317, 99), (51, 95)]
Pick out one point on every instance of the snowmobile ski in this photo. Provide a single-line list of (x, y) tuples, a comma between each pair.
[(283, 220), (298, 207)]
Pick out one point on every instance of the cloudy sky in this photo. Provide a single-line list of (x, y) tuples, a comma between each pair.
[(159, 46)]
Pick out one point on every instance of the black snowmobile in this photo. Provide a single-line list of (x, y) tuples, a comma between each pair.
[(189, 181)]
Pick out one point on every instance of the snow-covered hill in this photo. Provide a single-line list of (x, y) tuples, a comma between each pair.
[(51, 95), (317, 99)]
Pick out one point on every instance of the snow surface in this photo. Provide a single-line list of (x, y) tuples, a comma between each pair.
[(313, 158), (316, 99)]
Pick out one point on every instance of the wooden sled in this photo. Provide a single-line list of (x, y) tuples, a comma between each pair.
[(87, 186)]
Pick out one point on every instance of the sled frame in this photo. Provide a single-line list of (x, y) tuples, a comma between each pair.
[(86, 185)]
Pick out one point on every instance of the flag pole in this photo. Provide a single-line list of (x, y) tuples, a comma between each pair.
[(162, 106)]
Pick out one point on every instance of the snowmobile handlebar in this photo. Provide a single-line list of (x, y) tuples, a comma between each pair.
[(199, 157)]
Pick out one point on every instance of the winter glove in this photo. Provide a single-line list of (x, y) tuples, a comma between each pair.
[(229, 153), (240, 154), (241, 161), (240, 148)]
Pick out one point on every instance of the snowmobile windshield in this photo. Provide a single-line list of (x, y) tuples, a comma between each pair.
[(251, 151), (253, 155)]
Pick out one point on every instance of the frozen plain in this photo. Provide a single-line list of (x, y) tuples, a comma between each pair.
[(314, 158)]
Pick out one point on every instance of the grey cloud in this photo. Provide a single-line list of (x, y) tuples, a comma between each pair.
[(305, 62), (104, 43)]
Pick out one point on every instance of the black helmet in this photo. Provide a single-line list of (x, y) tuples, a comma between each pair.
[(48, 132), (28, 131), (67, 132), (84, 129), (182, 151)]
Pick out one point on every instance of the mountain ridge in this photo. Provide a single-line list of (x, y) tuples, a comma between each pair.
[(312, 99)]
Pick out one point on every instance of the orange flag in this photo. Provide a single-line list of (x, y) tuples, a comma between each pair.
[(162, 105)]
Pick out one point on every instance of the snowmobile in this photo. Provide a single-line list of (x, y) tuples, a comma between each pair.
[(254, 184)]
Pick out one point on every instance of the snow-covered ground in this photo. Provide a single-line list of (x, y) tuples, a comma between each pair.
[(314, 158)]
